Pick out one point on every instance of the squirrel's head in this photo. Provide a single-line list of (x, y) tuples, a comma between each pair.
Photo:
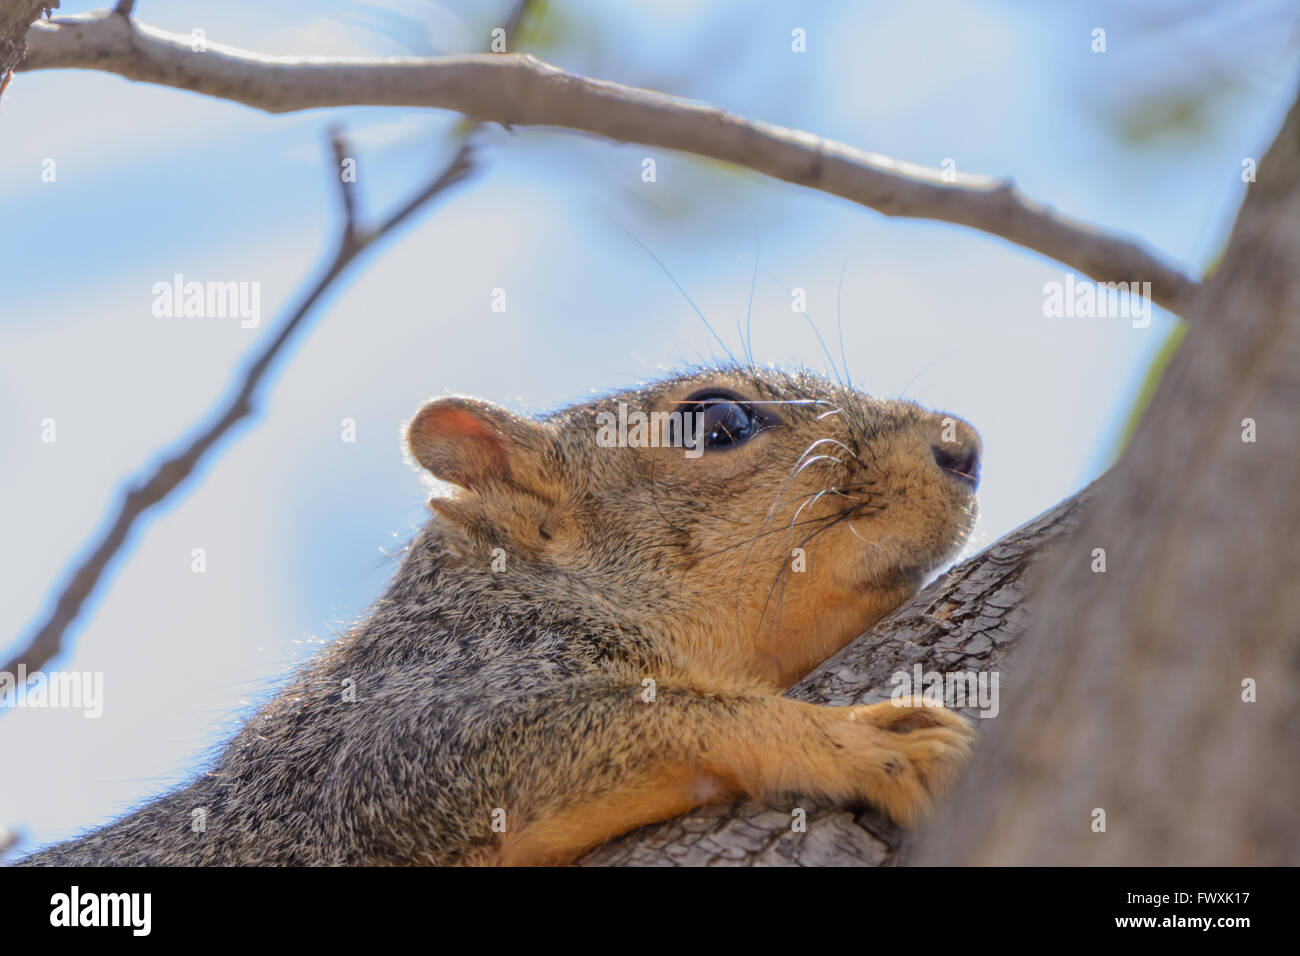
[(752, 520)]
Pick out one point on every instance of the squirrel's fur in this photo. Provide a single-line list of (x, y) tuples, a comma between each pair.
[(623, 666)]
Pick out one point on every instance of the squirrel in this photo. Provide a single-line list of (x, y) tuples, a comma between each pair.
[(593, 632)]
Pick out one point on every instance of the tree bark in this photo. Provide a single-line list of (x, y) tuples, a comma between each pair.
[(16, 17)]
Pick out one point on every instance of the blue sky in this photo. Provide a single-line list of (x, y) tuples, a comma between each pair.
[(299, 527)]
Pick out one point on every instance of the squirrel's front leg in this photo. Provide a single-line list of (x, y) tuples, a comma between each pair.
[(634, 763)]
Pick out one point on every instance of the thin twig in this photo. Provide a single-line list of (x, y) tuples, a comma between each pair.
[(347, 187), (354, 238), (519, 90), (47, 640)]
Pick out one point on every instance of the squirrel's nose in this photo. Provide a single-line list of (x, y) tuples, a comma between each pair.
[(960, 459)]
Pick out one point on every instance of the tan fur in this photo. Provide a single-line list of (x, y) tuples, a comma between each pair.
[(895, 757), (626, 664)]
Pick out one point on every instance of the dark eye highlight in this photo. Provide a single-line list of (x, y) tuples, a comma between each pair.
[(723, 418)]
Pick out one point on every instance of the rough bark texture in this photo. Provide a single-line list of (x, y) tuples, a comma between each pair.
[(1136, 705), (16, 17), (967, 620)]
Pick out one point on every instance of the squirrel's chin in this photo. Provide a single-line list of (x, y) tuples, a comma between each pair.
[(906, 579), (911, 577)]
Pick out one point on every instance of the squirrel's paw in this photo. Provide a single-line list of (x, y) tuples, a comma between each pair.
[(903, 754)]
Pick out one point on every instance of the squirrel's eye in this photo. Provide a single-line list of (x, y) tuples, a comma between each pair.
[(725, 423), (721, 419)]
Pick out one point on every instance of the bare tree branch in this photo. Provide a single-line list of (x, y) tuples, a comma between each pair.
[(347, 186), (520, 90), (354, 238), (47, 640)]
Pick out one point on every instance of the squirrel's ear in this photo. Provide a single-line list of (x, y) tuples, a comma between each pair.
[(468, 442)]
